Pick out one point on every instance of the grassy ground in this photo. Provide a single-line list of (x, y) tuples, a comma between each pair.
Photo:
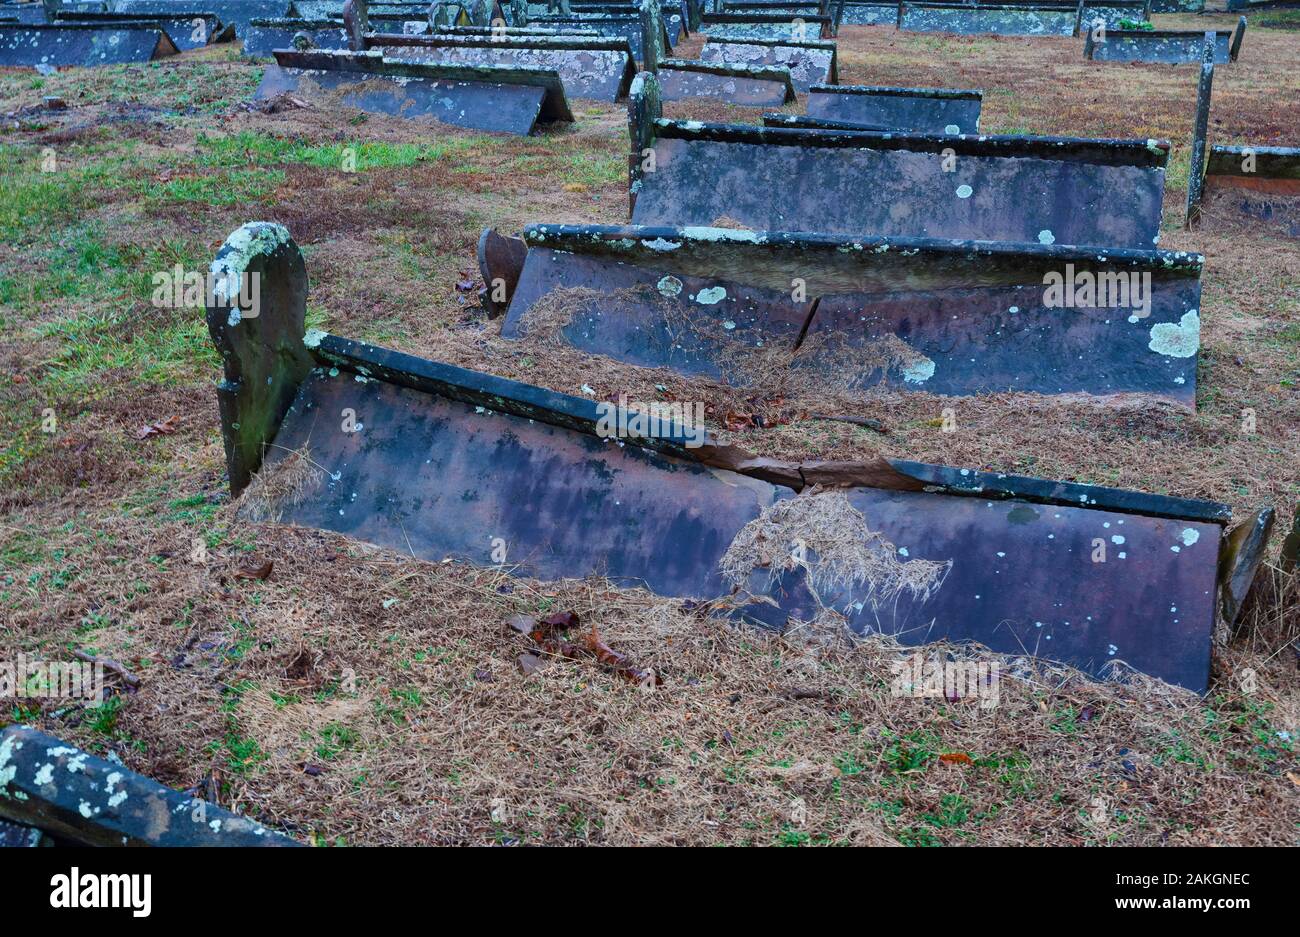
[(357, 697)]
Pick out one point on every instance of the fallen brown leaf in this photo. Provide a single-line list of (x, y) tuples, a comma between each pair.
[(258, 572)]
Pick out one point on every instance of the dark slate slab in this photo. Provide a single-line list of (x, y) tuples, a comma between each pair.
[(950, 318), (235, 13), (1161, 45), (67, 45), (263, 37), (597, 68), (1047, 190), (77, 796), (465, 96), (919, 110), (1021, 579), (783, 7), (565, 504), (510, 31), (1108, 12), (569, 504), (1268, 196), (804, 122), (187, 30), (22, 12), (1235, 6), (767, 26), (743, 85), (333, 9), (656, 316), (673, 23), (1003, 20), (971, 339), (810, 63), (625, 27), (869, 14), (17, 836)]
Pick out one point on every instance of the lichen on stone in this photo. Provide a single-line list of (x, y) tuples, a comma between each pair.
[(1181, 340)]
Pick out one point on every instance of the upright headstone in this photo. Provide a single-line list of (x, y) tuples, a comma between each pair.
[(1196, 175), (644, 107), (652, 35), (356, 23)]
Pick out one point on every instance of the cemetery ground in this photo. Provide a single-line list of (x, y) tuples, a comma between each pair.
[(352, 695)]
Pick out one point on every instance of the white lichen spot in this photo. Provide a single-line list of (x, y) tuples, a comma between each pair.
[(313, 337), (711, 296), (215, 826), (84, 809), (669, 285), (1117, 540), (7, 771), (1177, 341), (918, 372), (256, 237), (1046, 237), (1190, 536), (952, 128), (964, 191), (44, 775), (721, 234)]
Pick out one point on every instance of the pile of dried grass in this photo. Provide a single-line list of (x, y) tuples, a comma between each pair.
[(823, 534), (284, 482)]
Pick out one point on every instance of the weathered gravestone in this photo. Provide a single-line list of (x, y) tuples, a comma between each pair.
[(482, 97), (570, 487)]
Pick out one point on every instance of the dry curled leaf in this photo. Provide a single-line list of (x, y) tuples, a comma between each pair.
[(160, 428), (256, 572)]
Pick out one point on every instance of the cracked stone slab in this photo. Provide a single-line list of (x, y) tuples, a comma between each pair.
[(453, 462), (947, 317)]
